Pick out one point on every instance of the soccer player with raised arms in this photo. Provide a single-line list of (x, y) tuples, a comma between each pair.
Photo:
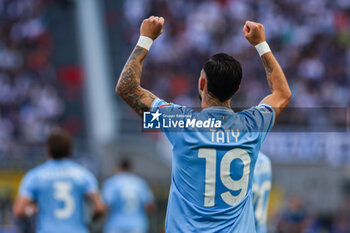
[(212, 170), (59, 188)]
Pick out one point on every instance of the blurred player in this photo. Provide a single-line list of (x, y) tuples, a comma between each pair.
[(212, 171), (58, 188), (261, 190), (128, 198)]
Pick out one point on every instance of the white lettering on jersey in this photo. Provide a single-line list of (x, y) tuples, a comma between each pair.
[(219, 136)]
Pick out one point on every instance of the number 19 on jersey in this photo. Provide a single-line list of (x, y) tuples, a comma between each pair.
[(210, 155)]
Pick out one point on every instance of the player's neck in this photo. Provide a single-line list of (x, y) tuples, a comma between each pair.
[(123, 171), (209, 101)]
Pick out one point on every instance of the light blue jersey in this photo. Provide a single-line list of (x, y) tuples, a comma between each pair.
[(126, 195), (212, 169), (261, 191), (59, 188)]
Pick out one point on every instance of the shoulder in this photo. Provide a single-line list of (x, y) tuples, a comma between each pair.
[(259, 109), (31, 174), (34, 172), (140, 180), (81, 173), (33, 177), (110, 181), (261, 117), (78, 167), (162, 104), (131, 179), (117, 180), (142, 183), (108, 185)]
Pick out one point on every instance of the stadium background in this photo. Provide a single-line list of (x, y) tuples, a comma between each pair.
[(59, 63)]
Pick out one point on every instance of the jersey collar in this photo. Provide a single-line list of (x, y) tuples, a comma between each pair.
[(217, 108)]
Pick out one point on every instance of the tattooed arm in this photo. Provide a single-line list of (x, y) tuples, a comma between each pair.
[(128, 86), (280, 92)]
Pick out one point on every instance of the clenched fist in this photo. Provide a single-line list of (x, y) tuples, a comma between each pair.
[(254, 32), (152, 27)]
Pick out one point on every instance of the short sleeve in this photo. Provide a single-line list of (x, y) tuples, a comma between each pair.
[(262, 117), (165, 107), (28, 187), (169, 109), (90, 184), (159, 103)]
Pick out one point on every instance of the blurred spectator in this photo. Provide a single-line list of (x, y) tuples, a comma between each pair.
[(294, 218), (29, 102), (341, 220)]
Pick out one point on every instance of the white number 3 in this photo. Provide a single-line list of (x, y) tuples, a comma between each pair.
[(62, 192), (225, 175)]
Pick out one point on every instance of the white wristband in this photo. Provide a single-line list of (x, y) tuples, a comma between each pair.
[(262, 48), (145, 42)]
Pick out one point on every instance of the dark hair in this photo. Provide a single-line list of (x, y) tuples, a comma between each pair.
[(224, 75), (59, 144), (125, 164)]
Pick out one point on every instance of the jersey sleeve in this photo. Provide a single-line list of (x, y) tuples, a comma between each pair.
[(169, 109), (28, 187), (90, 183), (261, 119)]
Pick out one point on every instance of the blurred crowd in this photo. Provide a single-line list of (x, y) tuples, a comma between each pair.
[(296, 217), (29, 102), (309, 38)]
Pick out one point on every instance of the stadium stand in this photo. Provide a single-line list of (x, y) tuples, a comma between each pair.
[(29, 100)]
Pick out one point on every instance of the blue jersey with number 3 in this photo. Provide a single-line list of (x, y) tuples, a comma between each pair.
[(59, 188), (261, 191), (212, 169)]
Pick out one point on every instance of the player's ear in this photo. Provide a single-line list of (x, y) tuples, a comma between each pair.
[(202, 81)]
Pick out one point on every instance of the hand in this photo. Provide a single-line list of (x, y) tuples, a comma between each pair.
[(254, 32), (152, 27)]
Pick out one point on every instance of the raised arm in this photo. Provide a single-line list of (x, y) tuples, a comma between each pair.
[(128, 86), (280, 92)]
